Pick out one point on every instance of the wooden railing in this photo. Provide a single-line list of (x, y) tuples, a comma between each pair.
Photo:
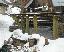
[(25, 22)]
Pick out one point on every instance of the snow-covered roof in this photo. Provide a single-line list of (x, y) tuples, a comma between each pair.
[(58, 2)]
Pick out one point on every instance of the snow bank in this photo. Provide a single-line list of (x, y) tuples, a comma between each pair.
[(5, 22), (54, 46)]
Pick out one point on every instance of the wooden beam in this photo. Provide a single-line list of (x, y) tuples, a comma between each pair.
[(27, 24), (23, 24), (35, 24), (55, 27)]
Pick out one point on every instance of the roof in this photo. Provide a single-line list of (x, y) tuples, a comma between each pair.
[(58, 2)]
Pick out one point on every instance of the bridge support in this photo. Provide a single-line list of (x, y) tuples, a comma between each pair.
[(55, 27), (27, 24), (35, 24), (23, 24)]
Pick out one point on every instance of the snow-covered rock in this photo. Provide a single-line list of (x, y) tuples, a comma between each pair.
[(19, 35)]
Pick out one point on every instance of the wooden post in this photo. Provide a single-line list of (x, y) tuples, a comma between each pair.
[(21, 25), (27, 24), (23, 22), (35, 24), (17, 21), (55, 27)]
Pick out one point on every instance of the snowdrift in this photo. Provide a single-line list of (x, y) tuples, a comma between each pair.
[(5, 22)]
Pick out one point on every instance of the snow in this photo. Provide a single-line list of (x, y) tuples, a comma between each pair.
[(54, 46), (9, 1), (9, 9), (13, 10), (19, 35), (58, 2), (32, 13), (41, 41), (36, 36), (5, 22)]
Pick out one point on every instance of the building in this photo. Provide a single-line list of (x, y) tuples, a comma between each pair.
[(53, 5), (37, 3), (46, 2)]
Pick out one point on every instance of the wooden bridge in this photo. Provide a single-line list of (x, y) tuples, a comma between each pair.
[(25, 18)]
